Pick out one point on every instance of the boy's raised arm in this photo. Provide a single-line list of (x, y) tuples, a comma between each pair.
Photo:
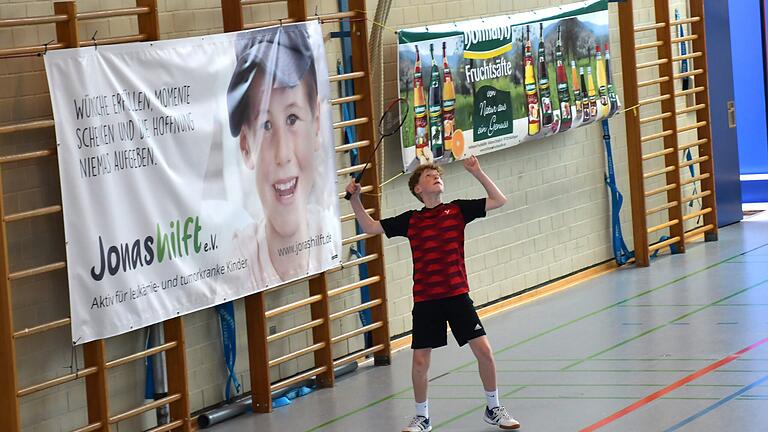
[(495, 198), (369, 225)]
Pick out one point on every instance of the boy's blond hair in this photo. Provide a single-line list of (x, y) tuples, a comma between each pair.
[(416, 176)]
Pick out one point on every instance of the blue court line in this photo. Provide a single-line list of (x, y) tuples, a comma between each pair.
[(717, 404)]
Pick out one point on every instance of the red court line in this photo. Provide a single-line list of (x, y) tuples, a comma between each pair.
[(674, 386)]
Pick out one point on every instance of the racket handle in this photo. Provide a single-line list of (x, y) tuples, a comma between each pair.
[(348, 195)]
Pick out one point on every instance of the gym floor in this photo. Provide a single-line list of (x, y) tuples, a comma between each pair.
[(679, 346)]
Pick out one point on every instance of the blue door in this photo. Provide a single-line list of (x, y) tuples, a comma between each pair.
[(747, 42), (721, 93)]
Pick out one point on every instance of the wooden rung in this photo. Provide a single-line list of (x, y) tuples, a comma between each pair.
[(356, 355), (358, 261), (701, 212), (666, 206), (691, 109), (357, 238), (292, 331), (21, 127), (660, 153), (139, 10), (662, 245), (346, 99), (116, 40), (656, 136), (684, 21), (333, 16), (652, 82), (140, 355), (692, 144), (653, 100), (254, 2), (296, 354), (683, 39), (27, 156), (687, 128), (350, 123), (651, 64), (354, 145), (47, 19), (662, 189), (37, 270), (30, 50), (694, 161), (352, 286), (298, 378), (659, 172), (42, 328), (167, 427), (687, 56), (364, 189), (353, 333), (698, 231), (346, 76), (33, 213), (351, 216), (688, 74), (358, 308), (144, 408), (270, 23), (689, 92), (697, 196), (56, 381), (695, 179), (292, 306), (647, 27), (89, 428), (663, 226), (350, 170), (658, 117), (649, 45)]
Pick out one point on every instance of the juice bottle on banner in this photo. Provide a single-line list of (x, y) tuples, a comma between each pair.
[(592, 94), (611, 91), (563, 93), (576, 90), (435, 104), (547, 116), (586, 111), (531, 91), (419, 109), (602, 83), (449, 105)]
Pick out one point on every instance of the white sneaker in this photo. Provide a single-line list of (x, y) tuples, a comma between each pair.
[(500, 417), (418, 424)]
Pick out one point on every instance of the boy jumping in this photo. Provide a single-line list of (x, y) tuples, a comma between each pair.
[(440, 287)]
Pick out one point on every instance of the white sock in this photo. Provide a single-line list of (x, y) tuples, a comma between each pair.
[(492, 398), (422, 408)]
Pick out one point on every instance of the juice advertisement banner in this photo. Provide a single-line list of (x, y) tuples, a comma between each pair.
[(489, 84)]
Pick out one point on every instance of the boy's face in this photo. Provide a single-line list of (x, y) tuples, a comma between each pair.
[(281, 141), (429, 182)]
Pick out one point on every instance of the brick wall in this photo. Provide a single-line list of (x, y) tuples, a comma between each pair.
[(557, 219), (556, 222)]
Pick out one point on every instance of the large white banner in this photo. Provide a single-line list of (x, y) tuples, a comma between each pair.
[(193, 172)]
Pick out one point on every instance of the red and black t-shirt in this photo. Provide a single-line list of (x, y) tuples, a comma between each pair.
[(436, 236)]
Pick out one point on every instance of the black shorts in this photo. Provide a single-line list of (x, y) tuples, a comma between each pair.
[(430, 318)]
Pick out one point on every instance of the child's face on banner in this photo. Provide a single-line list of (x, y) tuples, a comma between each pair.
[(286, 138)]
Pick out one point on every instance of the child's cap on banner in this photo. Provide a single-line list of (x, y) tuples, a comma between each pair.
[(286, 65)]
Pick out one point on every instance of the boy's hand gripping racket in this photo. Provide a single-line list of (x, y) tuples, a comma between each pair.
[(390, 122)]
